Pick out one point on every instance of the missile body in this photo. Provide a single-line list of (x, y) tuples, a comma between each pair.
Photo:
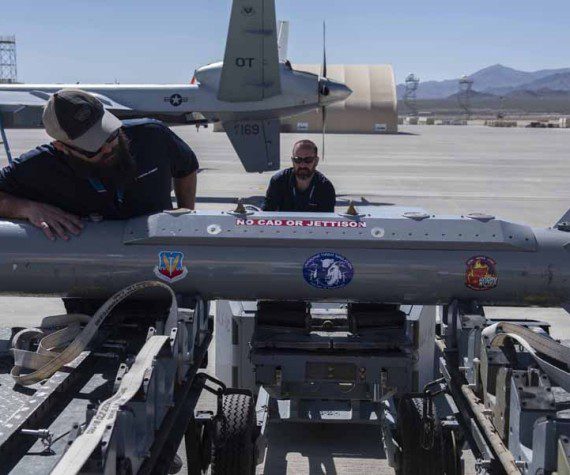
[(386, 254)]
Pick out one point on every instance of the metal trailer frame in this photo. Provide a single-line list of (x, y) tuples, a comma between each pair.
[(517, 416), (477, 400), (364, 364), (42, 421)]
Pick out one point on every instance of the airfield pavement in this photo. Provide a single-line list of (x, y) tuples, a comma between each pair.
[(514, 173)]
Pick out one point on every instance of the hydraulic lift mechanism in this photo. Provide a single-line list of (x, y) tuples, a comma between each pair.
[(373, 316)]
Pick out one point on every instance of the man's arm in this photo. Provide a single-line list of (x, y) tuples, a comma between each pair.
[(272, 200), (329, 199), (51, 220), (185, 190), (183, 166)]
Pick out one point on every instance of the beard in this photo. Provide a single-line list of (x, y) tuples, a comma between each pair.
[(118, 165), (304, 173)]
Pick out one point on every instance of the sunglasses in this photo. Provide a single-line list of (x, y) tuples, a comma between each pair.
[(305, 160), (87, 154)]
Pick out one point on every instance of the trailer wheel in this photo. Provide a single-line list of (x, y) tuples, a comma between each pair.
[(193, 443), (412, 461), (451, 453), (443, 456), (233, 450)]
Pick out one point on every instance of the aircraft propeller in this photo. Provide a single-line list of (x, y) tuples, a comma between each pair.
[(323, 89)]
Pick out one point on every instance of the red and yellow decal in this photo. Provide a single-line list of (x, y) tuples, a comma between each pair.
[(481, 273)]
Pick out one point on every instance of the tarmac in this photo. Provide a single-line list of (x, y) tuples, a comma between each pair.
[(513, 173)]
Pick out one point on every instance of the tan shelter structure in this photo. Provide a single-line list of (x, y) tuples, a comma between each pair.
[(372, 108)]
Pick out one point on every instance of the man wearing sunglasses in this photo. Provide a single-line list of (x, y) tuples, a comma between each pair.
[(301, 187), (97, 166)]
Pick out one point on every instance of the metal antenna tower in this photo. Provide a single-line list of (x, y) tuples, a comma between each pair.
[(8, 71), (464, 96), (412, 83)]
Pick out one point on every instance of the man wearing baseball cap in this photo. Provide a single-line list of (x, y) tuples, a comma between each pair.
[(96, 166)]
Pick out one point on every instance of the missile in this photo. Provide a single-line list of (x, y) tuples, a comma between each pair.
[(375, 254)]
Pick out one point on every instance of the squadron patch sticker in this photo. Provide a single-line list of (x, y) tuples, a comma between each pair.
[(170, 266), (328, 270), (481, 273)]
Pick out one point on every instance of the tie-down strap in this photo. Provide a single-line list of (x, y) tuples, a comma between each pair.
[(62, 339), (537, 345)]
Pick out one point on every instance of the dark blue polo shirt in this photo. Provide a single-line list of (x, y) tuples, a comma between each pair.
[(282, 194), (49, 176)]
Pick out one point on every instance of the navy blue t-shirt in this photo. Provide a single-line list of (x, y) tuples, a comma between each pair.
[(282, 194), (50, 176)]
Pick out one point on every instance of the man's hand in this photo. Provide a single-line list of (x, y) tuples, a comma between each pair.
[(52, 221)]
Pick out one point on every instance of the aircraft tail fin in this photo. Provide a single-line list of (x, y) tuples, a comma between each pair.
[(251, 61), (564, 222), (282, 39), (256, 142)]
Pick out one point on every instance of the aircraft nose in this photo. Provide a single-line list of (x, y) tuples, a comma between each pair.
[(333, 91)]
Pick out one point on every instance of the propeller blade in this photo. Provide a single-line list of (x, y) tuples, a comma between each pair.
[(323, 89), (324, 52), (324, 112)]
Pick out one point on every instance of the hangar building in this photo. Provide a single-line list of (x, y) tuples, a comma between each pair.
[(371, 108)]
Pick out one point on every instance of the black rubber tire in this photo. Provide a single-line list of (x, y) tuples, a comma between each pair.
[(232, 438), (416, 460), (451, 453), (193, 445)]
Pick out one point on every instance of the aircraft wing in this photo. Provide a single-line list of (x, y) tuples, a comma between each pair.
[(256, 142), (38, 98), (251, 62), (20, 98)]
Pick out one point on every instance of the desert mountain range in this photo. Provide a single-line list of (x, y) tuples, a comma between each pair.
[(497, 80)]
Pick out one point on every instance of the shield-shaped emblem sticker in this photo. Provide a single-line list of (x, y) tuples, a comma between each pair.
[(171, 266)]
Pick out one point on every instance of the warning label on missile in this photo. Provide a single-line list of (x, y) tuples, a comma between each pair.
[(481, 273), (303, 223)]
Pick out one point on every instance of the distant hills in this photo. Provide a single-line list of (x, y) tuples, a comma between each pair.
[(498, 80), (496, 88)]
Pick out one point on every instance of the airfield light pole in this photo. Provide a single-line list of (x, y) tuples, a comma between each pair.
[(8, 71), (8, 75), (464, 96), (501, 113), (412, 83)]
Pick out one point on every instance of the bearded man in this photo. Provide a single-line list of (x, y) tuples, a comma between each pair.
[(301, 187), (96, 167)]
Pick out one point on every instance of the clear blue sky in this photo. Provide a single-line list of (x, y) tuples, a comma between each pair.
[(163, 41)]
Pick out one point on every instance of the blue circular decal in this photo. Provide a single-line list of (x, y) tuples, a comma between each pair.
[(328, 270)]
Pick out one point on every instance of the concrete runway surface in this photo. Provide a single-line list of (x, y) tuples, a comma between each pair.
[(514, 173)]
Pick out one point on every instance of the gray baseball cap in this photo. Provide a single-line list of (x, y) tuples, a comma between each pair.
[(79, 119)]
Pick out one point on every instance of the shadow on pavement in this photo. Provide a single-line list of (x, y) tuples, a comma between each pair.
[(320, 445)]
